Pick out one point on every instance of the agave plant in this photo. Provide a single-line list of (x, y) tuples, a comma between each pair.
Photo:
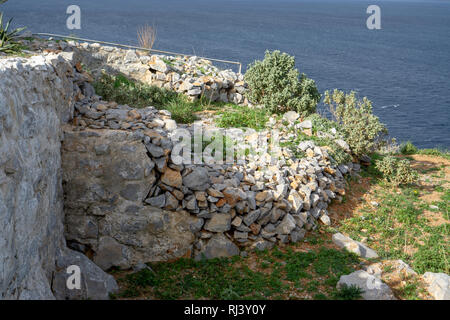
[(7, 37)]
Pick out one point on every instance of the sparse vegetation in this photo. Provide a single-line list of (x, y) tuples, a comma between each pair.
[(146, 36), (275, 83), (396, 171)]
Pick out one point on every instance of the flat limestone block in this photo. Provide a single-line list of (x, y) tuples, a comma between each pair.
[(353, 246)]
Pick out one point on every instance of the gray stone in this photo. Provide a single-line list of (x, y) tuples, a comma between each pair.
[(197, 180), (217, 247), (287, 225), (373, 288), (95, 284), (110, 253), (219, 222), (158, 201)]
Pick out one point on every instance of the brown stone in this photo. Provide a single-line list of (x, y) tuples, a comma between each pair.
[(172, 178), (256, 228), (221, 203), (200, 195)]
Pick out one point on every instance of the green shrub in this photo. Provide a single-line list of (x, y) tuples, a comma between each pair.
[(396, 171), (276, 84), (362, 129), (8, 43), (408, 148)]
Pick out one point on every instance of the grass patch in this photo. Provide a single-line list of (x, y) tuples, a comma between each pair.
[(435, 152), (243, 117), (275, 274)]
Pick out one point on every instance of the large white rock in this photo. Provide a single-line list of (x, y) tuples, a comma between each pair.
[(373, 288), (438, 285)]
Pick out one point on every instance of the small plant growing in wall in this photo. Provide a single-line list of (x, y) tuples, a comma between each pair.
[(8, 37), (275, 83)]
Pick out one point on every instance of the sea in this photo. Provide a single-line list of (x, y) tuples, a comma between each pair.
[(403, 68)]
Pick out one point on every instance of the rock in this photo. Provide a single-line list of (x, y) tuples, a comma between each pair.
[(219, 246), (154, 150), (95, 284), (373, 288), (438, 285), (262, 245), (296, 236), (291, 116), (197, 180), (325, 219), (110, 253), (172, 178), (158, 201), (341, 143), (287, 225), (296, 201), (219, 222), (353, 246), (307, 124)]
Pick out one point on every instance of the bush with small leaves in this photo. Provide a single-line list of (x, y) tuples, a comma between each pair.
[(396, 171), (408, 148), (362, 129), (275, 83)]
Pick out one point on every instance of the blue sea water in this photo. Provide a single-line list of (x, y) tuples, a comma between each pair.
[(404, 68)]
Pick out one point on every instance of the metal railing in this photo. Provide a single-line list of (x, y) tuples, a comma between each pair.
[(137, 48)]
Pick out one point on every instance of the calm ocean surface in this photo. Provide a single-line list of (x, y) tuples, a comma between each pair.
[(404, 68)]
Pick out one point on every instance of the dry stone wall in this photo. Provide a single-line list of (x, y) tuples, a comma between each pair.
[(192, 76), (128, 202)]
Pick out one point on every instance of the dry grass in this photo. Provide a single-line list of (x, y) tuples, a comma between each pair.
[(146, 36)]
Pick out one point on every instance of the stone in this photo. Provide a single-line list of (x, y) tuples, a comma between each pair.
[(219, 246), (344, 145), (110, 253), (353, 246), (158, 201), (95, 284), (219, 222), (297, 236), (154, 150), (252, 217), (171, 201), (438, 285), (172, 178), (197, 180), (325, 219), (286, 225), (291, 116), (373, 288), (296, 201)]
